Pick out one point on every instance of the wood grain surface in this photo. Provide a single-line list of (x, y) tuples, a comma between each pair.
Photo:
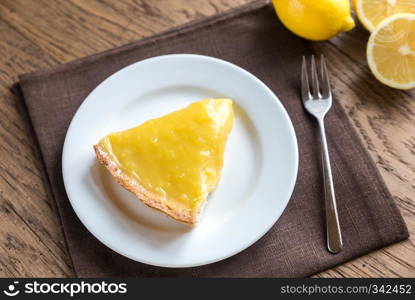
[(36, 34)]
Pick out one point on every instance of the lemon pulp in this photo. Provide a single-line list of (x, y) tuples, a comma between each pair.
[(391, 51), (178, 156), (372, 12)]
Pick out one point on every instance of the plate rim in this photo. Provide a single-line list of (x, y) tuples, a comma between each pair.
[(292, 135)]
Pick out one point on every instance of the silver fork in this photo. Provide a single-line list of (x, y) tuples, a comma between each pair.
[(318, 102)]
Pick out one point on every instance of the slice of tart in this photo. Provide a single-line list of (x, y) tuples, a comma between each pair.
[(173, 162)]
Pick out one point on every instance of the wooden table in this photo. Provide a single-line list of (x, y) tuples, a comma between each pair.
[(36, 34)]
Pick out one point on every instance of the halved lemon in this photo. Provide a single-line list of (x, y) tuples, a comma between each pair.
[(372, 12), (391, 51)]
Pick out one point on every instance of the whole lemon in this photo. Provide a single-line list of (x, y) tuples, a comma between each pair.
[(315, 19)]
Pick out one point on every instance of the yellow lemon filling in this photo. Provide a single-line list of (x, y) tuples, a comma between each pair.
[(179, 156)]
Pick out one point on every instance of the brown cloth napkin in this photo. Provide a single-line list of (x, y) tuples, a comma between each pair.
[(251, 37)]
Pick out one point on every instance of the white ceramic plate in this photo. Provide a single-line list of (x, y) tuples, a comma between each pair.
[(259, 174)]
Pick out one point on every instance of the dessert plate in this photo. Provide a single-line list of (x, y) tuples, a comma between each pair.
[(260, 167)]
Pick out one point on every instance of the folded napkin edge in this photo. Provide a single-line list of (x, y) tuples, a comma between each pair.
[(400, 233), (384, 189), (248, 8)]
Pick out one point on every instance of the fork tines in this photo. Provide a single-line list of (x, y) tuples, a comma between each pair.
[(320, 86)]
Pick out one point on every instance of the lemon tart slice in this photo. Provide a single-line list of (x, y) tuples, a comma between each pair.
[(173, 162)]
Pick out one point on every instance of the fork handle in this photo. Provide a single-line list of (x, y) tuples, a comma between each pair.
[(334, 237)]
